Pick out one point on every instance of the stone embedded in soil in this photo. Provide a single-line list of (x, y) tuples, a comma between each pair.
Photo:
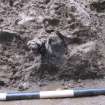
[(55, 45), (40, 19), (25, 19), (24, 86)]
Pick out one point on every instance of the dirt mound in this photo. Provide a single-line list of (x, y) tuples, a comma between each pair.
[(50, 40)]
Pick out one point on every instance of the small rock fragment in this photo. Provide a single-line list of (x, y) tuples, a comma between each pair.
[(24, 86), (40, 19), (25, 19)]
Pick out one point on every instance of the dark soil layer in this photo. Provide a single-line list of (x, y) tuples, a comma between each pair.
[(51, 40)]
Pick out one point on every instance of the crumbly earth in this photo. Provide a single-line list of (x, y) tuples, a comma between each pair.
[(52, 44), (48, 40)]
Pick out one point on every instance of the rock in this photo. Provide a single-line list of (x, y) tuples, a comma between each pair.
[(40, 19), (37, 45), (23, 86), (55, 45), (51, 45), (25, 19), (34, 44)]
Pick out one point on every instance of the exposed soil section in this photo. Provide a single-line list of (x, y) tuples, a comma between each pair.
[(51, 40)]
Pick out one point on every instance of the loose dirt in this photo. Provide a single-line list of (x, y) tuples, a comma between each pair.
[(43, 41)]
